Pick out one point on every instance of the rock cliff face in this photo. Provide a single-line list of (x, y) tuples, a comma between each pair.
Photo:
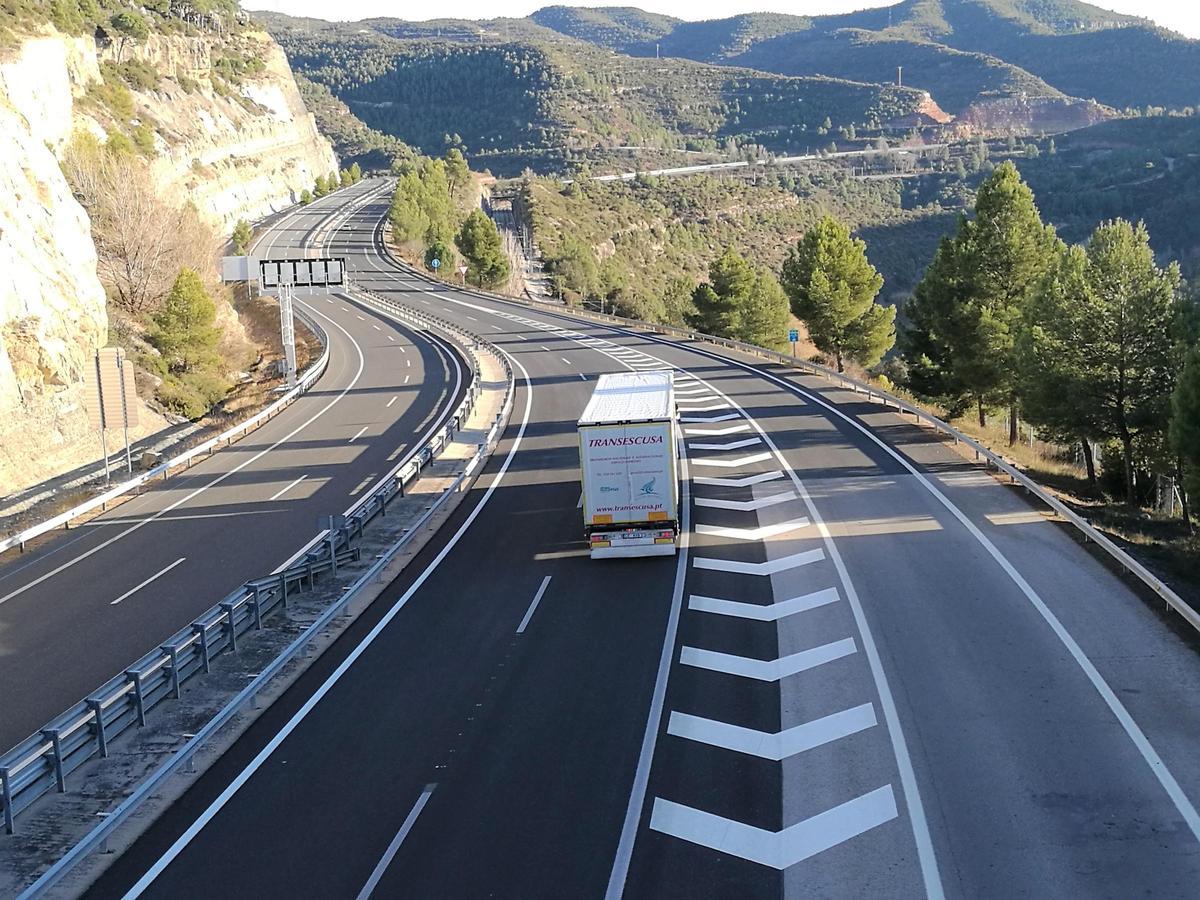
[(233, 156)]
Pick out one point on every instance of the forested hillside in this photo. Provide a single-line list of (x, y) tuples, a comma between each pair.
[(515, 104), (1038, 47)]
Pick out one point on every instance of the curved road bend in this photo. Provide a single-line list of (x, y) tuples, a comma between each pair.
[(80, 608), (876, 672)]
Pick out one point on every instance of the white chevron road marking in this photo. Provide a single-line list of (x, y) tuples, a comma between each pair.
[(747, 505), (745, 481), (728, 445), (724, 417), (766, 669), (719, 432), (777, 849), (732, 463), (775, 747), (759, 612), (712, 407), (770, 567), (761, 533)]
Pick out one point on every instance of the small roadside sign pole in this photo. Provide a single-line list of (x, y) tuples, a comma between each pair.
[(435, 264), (462, 273), (111, 400), (793, 336)]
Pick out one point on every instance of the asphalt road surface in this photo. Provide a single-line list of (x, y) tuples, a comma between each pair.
[(874, 671), (79, 609)]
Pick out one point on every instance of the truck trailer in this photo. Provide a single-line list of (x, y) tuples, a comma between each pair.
[(629, 463)]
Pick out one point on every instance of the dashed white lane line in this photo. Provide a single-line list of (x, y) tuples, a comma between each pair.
[(472, 318), (547, 349), (390, 338), (537, 598), (154, 577), (376, 327), (406, 377), (747, 505), (761, 533), (390, 402), (770, 567), (284, 490), (564, 359), (394, 847), (360, 318), (766, 669), (582, 377), (408, 363), (781, 849), (774, 747), (763, 613), (579, 505), (360, 434)]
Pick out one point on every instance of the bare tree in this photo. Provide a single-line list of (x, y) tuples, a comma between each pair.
[(142, 241)]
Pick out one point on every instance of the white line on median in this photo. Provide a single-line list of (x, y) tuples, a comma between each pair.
[(283, 491), (357, 436), (537, 598), (394, 847), (406, 377), (133, 591), (390, 402)]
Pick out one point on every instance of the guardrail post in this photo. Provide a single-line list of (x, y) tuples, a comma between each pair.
[(204, 654), (7, 799), (97, 709), (227, 606), (52, 735), (139, 699), (283, 588), (256, 606), (173, 652)]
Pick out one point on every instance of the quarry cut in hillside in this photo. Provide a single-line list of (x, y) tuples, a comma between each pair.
[(233, 153)]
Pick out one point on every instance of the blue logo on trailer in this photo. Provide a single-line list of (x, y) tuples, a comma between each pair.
[(437, 263)]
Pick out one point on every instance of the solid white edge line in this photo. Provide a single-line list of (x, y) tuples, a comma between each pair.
[(1158, 767), (255, 764), (394, 847), (215, 481), (537, 598), (641, 778), (129, 593), (279, 493)]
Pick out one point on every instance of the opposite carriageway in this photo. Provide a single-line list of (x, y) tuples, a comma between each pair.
[(875, 671), (76, 609)]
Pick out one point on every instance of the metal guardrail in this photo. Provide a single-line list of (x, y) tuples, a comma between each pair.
[(41, 762), (1090, 533), (101, 501), (101, 832)]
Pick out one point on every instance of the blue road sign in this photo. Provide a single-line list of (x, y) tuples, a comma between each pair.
[(435, 262), (793, 335)]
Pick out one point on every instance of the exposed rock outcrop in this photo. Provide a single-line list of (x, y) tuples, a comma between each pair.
[(233, 153)]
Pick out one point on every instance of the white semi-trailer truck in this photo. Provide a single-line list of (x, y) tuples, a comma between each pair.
[(630, 466)]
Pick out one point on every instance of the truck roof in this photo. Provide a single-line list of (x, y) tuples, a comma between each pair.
[(631, 397)]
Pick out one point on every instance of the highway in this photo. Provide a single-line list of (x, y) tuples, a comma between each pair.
[(872, 671), (80, 608)]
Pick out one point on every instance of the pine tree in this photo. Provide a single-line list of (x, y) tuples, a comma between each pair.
[(479, 242), (1102, 332), (242, 235), (969, 302), (458, 174), (320, 186), (184, 330), (719, 301), (356, 174), (832, 287), (764, 313), (1185, 420)]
